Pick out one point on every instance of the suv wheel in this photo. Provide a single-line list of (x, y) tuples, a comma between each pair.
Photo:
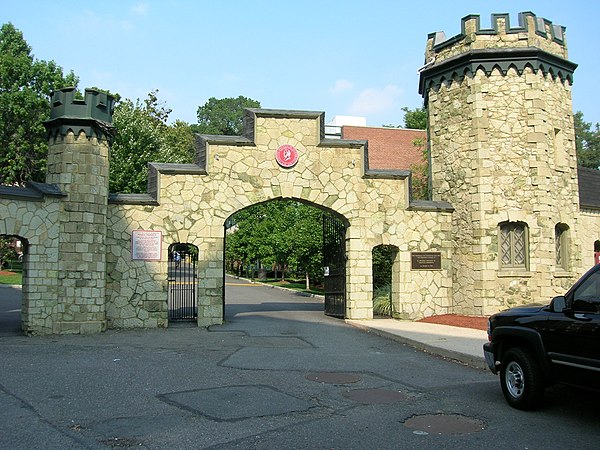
[(521, 379)]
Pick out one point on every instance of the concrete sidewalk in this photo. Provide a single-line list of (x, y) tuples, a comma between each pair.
[(457, 343)]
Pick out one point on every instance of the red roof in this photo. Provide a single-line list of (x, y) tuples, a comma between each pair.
[(389, 148)]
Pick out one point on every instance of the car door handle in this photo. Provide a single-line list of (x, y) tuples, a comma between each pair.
[(582, 317)]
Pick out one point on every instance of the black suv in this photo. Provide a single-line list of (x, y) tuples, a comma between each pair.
[(535, 346)]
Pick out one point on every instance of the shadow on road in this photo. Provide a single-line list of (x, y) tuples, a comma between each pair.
[(10, 311)]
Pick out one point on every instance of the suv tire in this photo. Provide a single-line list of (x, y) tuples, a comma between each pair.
[(521, 379)]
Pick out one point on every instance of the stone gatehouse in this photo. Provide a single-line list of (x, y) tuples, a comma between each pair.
[(506, 224)]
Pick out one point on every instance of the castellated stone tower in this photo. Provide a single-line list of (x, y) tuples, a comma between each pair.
[(79, 133), (502, 151)]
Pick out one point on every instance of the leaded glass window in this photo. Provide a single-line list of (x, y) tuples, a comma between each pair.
[(513, 245)]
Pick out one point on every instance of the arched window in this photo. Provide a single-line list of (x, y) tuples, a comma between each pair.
[(513, 245), (561, 245)]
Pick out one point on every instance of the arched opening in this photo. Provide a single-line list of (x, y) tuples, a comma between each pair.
[(13, 255), (383, 265), (561, 243), (597, 252), (183, 290), (291, 244)]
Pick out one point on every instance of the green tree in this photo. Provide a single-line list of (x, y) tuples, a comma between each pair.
[(587, 142), (143, 136), (283, 235), (420, 173), (306, 235), (7, 251), (25, 88), (383, 261), (415, 118), (223, 116)]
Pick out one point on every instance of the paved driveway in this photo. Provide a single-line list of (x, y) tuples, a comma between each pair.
[(277, 374)]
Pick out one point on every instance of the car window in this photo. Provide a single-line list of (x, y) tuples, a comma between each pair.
[(587, 295)]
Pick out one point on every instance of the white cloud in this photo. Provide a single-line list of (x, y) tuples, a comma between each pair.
[(340, 85), (375, 100), (141, 9)]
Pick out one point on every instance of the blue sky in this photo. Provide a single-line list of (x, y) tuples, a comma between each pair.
[(342, 57)]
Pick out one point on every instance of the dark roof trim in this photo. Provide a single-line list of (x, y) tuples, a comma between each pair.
[(467, 64), (33, 191)]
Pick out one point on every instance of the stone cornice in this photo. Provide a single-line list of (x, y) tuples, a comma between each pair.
[(430, 205), (466, 64), (387, 174), (132, 199)]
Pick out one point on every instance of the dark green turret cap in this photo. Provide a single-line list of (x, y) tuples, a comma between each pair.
[(92, 114)]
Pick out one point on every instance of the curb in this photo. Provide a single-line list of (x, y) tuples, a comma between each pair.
[(462, 358), (300, 293)]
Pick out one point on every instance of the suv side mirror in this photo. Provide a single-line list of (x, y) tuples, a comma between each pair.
[(558, 304)]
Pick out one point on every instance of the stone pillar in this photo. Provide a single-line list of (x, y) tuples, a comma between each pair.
[(359, 279), (79, 134), (502, 150)]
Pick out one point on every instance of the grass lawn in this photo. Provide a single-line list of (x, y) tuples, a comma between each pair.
[(7, 277), (296, 285)]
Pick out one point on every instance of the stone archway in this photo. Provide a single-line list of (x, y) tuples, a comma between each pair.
[(13, 264), (190, 203), (287, 240), (102, 259)]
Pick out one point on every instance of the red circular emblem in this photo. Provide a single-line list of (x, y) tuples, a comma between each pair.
[(286, 156)]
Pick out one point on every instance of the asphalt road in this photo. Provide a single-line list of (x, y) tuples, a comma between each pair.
[(10, 311), (278, 374)]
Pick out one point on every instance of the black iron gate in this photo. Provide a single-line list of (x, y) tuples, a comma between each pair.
[(182, 282), (334, 265)]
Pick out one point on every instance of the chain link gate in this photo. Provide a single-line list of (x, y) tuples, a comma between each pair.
[(334, 265), (182, 282)]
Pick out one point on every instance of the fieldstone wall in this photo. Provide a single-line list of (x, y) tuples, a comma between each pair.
[(191, 204), (503, 149), (37, 223), (78, 165), (589, 232)]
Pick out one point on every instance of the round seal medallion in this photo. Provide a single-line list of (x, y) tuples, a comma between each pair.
[(286, 155)]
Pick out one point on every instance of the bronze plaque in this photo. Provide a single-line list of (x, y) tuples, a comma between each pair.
[(426, 260)]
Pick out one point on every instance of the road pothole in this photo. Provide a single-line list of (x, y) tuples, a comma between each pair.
[(370, 396), (333, 377), (444, 424)]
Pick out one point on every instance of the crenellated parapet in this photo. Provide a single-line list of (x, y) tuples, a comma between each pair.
[(92, 114), (536, 43)]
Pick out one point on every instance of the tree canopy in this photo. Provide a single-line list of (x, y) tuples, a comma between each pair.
[(143, 136), (587, 142), (415, 118), (282, 235), (223, 116), (25, 88)]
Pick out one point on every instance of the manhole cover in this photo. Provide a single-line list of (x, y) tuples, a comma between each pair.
[(333, 377), (375, 396), (444, 424)]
